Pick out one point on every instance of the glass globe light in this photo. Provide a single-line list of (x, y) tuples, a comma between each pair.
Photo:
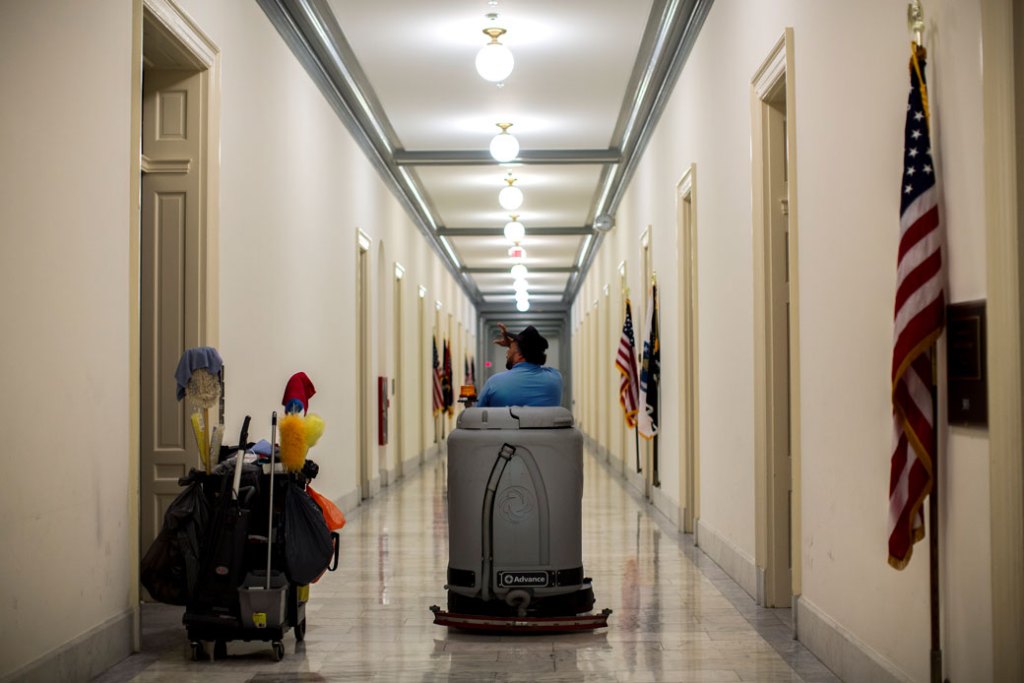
[(523, 305), (514, 230), (519, 270), (494, 61), (504, 146), (520, 285), (510, 198)]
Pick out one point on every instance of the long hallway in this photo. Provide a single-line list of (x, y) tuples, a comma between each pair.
[(676, 616)]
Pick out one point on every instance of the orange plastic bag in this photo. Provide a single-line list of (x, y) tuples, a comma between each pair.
[(333, 515)]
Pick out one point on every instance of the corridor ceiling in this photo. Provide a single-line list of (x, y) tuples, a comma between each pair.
[(590, 79)]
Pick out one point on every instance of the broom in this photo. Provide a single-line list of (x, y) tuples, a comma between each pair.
[(202, 392)]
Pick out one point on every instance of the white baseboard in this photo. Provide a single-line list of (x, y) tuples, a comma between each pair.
[(666, 506), (848, 657), (635, 480), (349, 501), (740, 567), (81, 659)]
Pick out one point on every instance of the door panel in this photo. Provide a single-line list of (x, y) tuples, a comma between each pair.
[(171, 287)]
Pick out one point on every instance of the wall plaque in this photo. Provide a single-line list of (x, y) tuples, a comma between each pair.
[(966, 365)]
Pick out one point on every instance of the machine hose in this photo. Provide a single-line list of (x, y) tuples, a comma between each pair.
[(487, 527), (520, 599)]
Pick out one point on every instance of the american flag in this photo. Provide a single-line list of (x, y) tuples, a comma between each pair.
[(918, 323), (625, 361), (436, 374)]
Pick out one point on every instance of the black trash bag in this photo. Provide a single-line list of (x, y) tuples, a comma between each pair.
[(307, 541), (171, 565)]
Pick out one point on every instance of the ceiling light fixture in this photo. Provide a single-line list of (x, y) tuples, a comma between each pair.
[(494, 61), (514, 230), (519, 271), (520, 285), (522, 305), (504, 146), (510, 197)]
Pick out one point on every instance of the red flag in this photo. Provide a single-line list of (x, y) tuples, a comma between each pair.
[(918, 322), (436, 375), (625, 361), (446, 380)]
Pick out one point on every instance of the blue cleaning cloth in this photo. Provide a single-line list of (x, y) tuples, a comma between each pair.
[(261, 447), (201, 357)]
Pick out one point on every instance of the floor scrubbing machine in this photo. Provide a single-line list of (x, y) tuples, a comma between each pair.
[(515, 492)]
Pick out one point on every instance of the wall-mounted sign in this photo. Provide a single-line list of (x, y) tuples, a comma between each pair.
[(966, 364)]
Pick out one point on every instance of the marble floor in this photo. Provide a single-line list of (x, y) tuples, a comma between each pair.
[(676, 616)]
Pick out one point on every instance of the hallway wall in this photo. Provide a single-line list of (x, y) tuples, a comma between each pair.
[(291, 206), (64, 173), (294, 189), (851, 83)]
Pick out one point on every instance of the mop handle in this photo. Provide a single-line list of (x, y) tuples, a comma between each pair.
[(270, 521)]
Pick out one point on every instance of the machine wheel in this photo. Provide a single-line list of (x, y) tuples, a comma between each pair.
[(220, 650), (278, 650), (198, 652), (300, 630)]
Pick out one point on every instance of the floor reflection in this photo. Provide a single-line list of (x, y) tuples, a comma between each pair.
[(676, 617)]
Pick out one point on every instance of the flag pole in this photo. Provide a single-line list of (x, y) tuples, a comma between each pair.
[(933, 535), (915, 22), (636, 436)]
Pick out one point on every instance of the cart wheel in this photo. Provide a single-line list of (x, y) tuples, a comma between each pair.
[(278, 650), (198, 653), (220, 650), (300, 630)]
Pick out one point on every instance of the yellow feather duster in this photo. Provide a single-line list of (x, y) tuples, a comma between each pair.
[(314, 429), (293, 442)]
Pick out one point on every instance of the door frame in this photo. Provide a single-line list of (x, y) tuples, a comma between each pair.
[(398, 390), (689, 366), (364, 391), (204, 55), (1003, 94), (777, 69)]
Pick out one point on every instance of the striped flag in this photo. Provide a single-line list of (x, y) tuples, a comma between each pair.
[(625, 361), (918, 323), (436, 375), (650, 372), (448, 397)]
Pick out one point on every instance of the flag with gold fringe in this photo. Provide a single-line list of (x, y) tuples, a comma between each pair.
[(918, 322)]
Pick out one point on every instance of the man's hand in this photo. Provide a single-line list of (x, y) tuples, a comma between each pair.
[(506, 337)]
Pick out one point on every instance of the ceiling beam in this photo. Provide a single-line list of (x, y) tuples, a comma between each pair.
[(534, 294), (497, 232), (536, 269), (477, 157)]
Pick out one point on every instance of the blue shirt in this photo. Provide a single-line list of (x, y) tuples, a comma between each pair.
[(525, 384)]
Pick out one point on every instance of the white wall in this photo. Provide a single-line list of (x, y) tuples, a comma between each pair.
[(291, 205), (851, 83), (64, 198), (294, 190)]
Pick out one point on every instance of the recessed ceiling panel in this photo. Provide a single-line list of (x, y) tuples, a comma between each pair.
[(553, 196), (539, 283), (573, 61), (555, 251)]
